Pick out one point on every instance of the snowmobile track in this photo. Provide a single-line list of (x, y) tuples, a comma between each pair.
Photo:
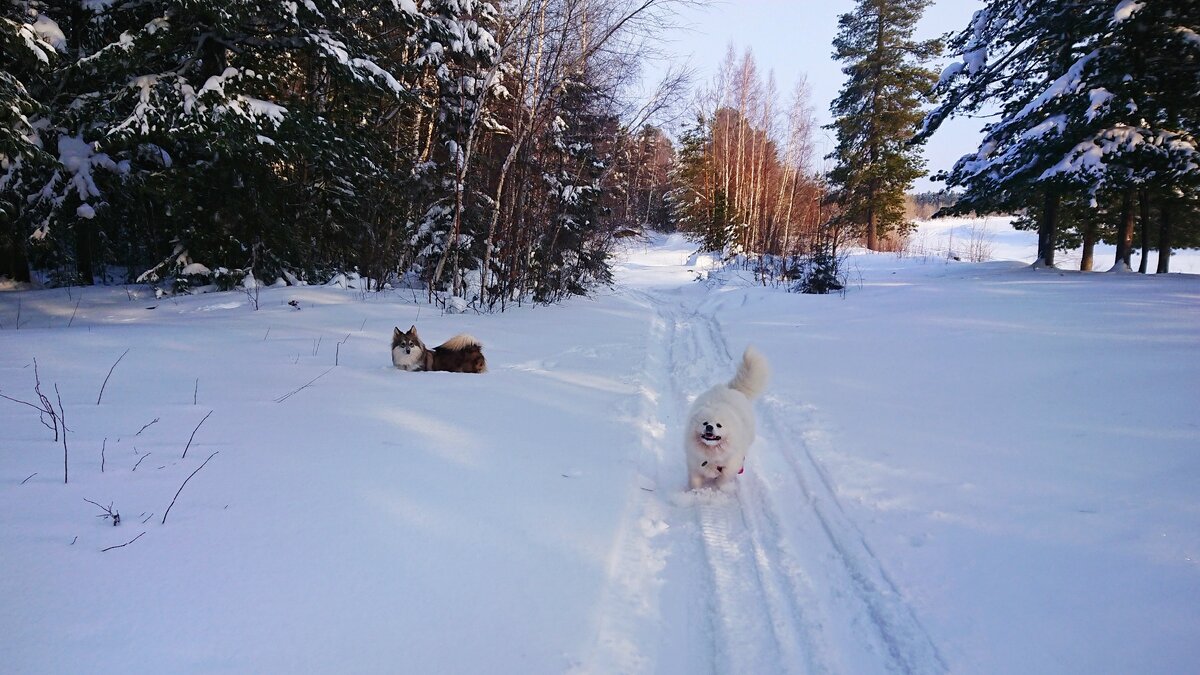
[(785, 580)]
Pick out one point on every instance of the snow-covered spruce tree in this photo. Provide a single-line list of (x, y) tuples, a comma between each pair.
[(1097, 101), (698, 205), (639, 182), (465, 62), (1137, 117), (1018, 55), (29, 41), (877, 112), (219, 134), (570, 256)]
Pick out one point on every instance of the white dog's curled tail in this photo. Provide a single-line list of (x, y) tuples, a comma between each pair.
[(752, 374)]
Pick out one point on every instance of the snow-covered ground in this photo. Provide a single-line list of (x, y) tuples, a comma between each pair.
[(962, 467), (993, 238)]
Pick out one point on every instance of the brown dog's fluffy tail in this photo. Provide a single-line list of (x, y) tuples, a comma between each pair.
[(460, 354), (752, 374), (461, 342)]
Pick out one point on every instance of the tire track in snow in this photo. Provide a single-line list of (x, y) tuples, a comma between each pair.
[(632, 634), (747, 639), (831, 604), (797, 508), (772, 577), (874, 610)]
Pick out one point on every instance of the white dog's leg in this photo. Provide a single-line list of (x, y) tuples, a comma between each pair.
[(696, 480), (725, 478)]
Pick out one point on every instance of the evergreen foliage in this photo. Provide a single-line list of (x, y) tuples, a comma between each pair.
[(642, 182), (193, 143), (821, 272), (1099, 103), (29, 49), (877, 112), (699, 206)]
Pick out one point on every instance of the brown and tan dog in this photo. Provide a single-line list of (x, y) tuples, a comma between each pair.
[(460, 354)]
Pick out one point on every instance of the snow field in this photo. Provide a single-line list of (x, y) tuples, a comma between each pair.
[(961, 467)]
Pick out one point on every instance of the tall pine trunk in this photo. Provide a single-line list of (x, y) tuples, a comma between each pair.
[(1047, 230), (83, 252), (1125, 233), (1089, 245), (13, 263), (1164, 240), (1144, 206), (873, 213)]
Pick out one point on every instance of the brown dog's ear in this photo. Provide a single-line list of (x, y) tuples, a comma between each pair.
[(396, 332), (412, 330)]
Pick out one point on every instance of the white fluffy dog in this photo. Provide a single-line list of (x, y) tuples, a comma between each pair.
[(720, 426)]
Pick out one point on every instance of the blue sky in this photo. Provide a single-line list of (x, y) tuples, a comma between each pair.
[(794, 39)]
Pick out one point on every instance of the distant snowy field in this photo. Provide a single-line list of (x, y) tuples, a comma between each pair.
[(995, 239), (961, 467)]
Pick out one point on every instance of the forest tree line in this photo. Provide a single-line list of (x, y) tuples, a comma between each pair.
[(490, 150), (495, 151), (1096, 113)]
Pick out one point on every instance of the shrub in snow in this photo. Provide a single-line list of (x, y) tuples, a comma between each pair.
[(820, 272), (456, 305)]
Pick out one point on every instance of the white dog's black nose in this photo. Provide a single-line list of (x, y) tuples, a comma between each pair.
[(708, 428)]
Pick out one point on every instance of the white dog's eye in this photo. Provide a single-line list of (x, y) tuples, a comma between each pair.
[(718, 425)]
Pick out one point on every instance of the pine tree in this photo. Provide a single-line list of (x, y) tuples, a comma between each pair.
[(877, 112), (1041, 47), (28, 42), (193, 128), (1137, 115), (1098, 101), (641, 181), (465, 62), (201, 142), (577, 150), (698, 204)]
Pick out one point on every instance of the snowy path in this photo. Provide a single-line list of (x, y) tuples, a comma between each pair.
[(772, 577)]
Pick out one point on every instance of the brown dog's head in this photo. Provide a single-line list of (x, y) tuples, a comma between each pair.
[(407, 340), (408, 352)]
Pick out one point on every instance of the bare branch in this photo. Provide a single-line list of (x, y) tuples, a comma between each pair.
[(17, 400), (121, 545), (139, 433), (285, 397), (45, 408), (75, 310), (108, 511), (338, 350), (62, 417), (185, 482), (189, 443), (110, 372)]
